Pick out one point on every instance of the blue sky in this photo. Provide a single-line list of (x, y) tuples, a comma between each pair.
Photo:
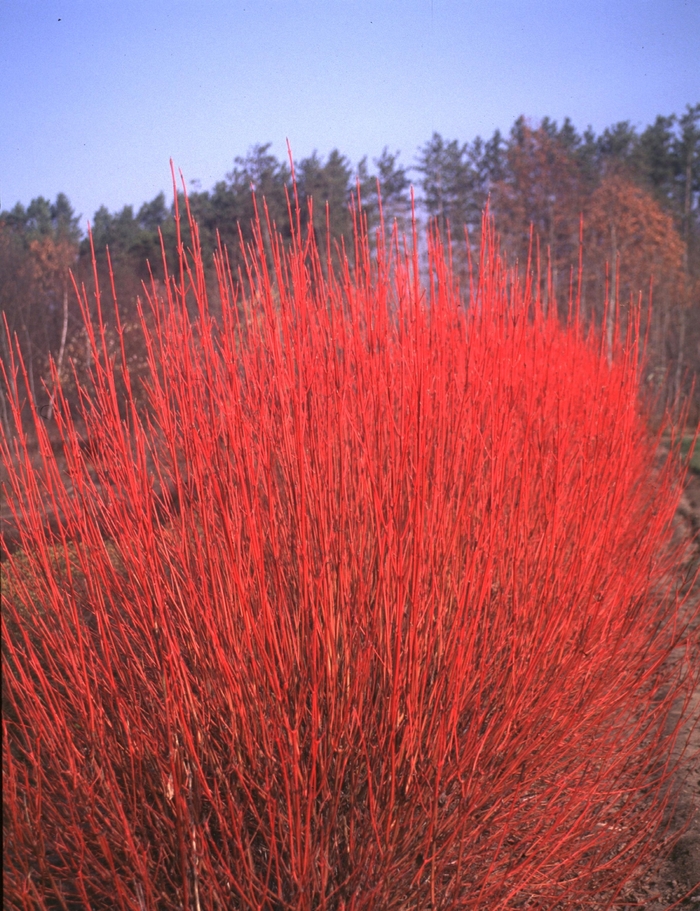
[(96, 97)]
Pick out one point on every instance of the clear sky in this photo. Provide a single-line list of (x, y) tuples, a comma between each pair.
[(97, 95)]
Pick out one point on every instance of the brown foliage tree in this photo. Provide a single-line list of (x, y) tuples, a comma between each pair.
[(629, 243)]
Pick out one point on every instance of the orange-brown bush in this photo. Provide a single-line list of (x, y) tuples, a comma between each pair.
[(372, 609)]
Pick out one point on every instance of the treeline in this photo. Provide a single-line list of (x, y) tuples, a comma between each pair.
[(637, 195)]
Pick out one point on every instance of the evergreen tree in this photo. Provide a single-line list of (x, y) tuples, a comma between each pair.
[(447, 183), (617, 145), (262, 175), (153, 215), (654, 158), (38, 219), (394, 187), (327, 185)]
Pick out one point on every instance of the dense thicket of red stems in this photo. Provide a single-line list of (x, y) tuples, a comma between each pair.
[(373, 607)]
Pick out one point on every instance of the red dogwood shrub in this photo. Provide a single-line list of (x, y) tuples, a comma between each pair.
[(373, 607)]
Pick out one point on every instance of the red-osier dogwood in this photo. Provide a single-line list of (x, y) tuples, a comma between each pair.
[(371, 607)]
